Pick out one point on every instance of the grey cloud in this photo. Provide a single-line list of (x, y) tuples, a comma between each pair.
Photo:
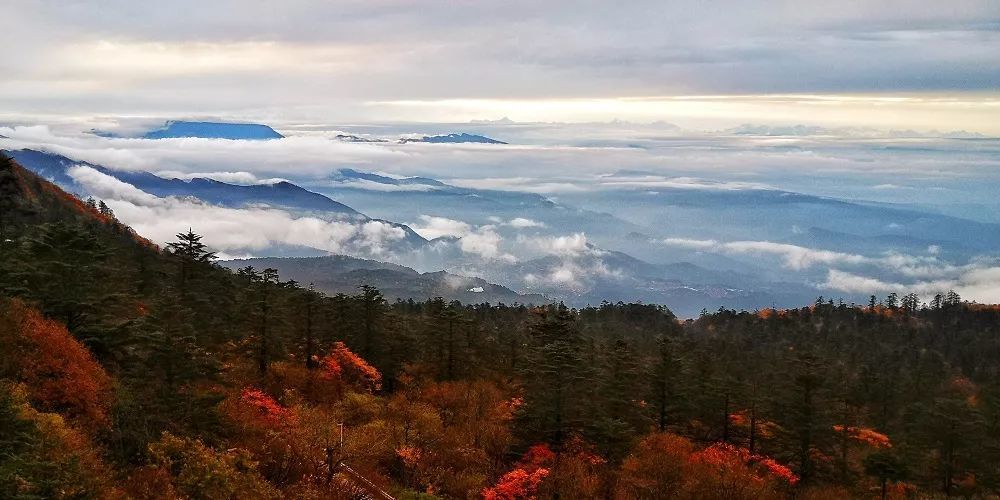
[(302, 54)]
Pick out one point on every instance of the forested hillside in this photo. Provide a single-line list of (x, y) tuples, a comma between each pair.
[(133, 371)]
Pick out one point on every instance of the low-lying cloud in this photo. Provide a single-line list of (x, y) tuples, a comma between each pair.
[(980, 283), (924, 275), (793, 256), (483, 241), (236, 231)]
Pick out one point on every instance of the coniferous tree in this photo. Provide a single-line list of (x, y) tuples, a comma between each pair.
[(807, 423), (885, 466), (620, 417), (311, 354), (665, 379), (556, 378), (372, 305), (10, 196), (191, 252), (265, 284), (66, 272)]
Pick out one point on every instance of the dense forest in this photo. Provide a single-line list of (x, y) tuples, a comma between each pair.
[(133, 371)]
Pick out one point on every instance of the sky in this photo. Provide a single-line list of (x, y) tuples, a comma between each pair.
[(890, 64), (892, 101)]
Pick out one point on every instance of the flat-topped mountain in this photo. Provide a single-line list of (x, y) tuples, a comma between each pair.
[(213, 130)]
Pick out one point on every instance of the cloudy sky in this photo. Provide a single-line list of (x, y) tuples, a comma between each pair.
[(889, 64), (892, 101)]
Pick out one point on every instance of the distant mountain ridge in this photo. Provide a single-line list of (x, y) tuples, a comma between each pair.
[(452, 139), (348, 174), (281, 195), (213, 130), (335, 274)]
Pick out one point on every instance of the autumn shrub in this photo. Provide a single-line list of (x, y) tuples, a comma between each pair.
[(665, 465), (517, 484), (656, 468), (197, 471), (574, 472), (342, 365), (59, 373), (43, 456)]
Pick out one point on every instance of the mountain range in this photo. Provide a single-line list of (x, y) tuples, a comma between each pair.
[(684, 243), (335, 274)]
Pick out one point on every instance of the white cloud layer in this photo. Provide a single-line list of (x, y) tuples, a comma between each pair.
[(977, 280), (564, 246), (235, 231), (980, 283), (483, 241)]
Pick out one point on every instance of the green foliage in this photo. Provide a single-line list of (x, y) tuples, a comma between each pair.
[(200, 472), (42, 457), (464, 387)]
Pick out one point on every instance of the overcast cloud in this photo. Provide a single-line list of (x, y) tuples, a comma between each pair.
[(374, 59)]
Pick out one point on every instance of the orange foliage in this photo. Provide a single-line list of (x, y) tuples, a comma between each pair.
[(730, 459), (883, 311), (343, 364), (665, 465), (537, 456), (512, 404), (255, 409), (574, 470), (149, 483), (901, 489), (516, 485), (770, 313), (777, 470), (81, 471), (741, 420), (865, 435), (972, 306), (60, 373), (75, 202), (963, 386), (582, 450), (540, 455), (656, 468), (410, 455), (453, 435)]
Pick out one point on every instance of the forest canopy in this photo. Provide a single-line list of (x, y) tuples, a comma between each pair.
[(129, 370)]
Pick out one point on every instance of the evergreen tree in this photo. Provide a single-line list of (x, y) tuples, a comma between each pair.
[(10, 200), (65, 270), (885, 466), (106, 211), (805, 410), (621, 416), (556, 378), (665, 380), (372, 304), (190, 252)]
